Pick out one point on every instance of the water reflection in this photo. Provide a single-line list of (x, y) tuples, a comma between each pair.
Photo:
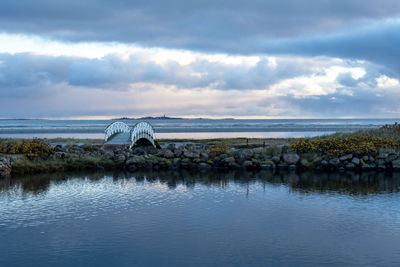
[(308, 182)]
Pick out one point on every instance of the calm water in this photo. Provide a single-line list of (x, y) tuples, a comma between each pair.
[(191, 128), (200, 219)]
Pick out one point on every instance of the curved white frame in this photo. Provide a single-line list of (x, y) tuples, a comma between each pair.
[(116, 127), (141, 130)]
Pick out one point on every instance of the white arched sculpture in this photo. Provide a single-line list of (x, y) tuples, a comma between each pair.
[(139, 131)]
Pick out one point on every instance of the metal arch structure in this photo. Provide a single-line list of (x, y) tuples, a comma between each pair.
[(116, 127), (141, 130)]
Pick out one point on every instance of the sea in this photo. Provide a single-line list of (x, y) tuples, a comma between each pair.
[(190, 128)]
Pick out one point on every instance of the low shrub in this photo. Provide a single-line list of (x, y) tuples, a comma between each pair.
[(32, 148), (218, 149), (343, 145)]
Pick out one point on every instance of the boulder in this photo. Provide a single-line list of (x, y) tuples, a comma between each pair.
[(179, 151), (355, 161), (350, 166), (119, 158), (204, 166), (176, 161), (305, 164), (324, 163), (396, 164), (276, 159), (391, 157), (234, 165), (150, 150), (136, 160), (247, 164), (291, 158), (132, 168), (166, 153), (139, 151), (268, 166), (191, 154), (292, 167), (346, 157), (245, 154), (335, 162), (283, 166), (317, 160), (229, 160), (171, 147), (204, 155), (5, 167)]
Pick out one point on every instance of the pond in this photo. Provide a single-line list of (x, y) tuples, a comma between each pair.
[(200, 219)]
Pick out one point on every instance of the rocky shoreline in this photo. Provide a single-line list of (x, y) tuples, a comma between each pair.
[(195, 156)]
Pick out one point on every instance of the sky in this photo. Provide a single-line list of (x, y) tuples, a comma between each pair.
[(241, 59)]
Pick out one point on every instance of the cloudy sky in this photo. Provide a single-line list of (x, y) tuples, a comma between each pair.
[(250, 59)]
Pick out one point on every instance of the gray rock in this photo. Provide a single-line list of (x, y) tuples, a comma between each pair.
[(350, 166), (204, 155), (365, 158), (355, 161), (380, 162), (283, 166), (335, 162), (132, 168), (276, 159), (291, 158), (179, 151), (391, 157), (247, 164), (171, 147), (245, 154), (204, 166), (191, 154), (396, 164), (346, 157), (229, 160), (381, 167), (166, 153), (305, 164), (292, 167), (136, 160), (234, 165), (5, 167), (267, 166), (151, 150), (119, 158), (139, 151), (317, 160), (324, 163)]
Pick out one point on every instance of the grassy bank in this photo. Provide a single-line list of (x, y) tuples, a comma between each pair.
[(362, 150)]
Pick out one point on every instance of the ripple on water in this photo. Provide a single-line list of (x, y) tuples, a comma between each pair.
[(149, 220)]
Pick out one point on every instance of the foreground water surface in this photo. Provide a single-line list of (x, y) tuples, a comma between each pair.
[(200, 219)]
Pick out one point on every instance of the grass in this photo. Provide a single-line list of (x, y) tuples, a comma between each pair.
[(234, 142)]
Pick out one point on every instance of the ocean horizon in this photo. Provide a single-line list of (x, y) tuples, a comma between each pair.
[(190, 128)]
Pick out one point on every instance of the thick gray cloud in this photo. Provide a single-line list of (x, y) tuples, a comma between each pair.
[(377, 42), (21, 72), (355, 29), (205, 25)]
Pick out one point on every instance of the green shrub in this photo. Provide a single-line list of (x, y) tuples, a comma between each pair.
[(343, 145), (34, 148)]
